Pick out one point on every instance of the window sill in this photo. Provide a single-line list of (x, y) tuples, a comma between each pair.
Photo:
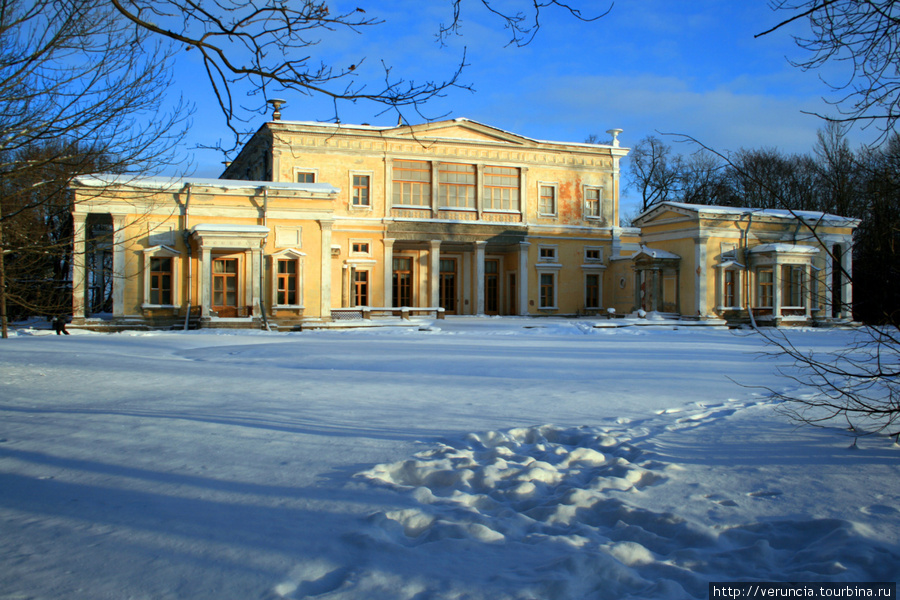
[(457, 208), (287, 307), (158, 306)]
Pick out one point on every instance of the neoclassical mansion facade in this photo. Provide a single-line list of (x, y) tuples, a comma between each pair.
[(319, 222)]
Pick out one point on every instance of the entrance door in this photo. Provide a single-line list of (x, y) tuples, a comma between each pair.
[(492, 286), (402, 281), (225, 287), (448, 285)]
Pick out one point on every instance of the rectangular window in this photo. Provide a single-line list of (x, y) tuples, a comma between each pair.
[(306, 177), (592, 203), (361, 288), (548, 288), (359, 248), (456, 185), (765, 286), (792, 280), (160, 281), (547, 204), (402, 284), (593, 255), (360, 190), (287, 282), (547, 253), (730, 298), (412, 183), (501, 188), (592, 290)]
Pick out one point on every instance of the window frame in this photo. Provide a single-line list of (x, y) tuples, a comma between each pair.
[(588, 202), (445, 187), (789, 287), (306, 171), (598, 287), (295, 256), (161, 251), (552, 253), (365, 247), (554, 198), (489, 185), (765, 289), (591, 259), (552, 286), (356, 284), (354, 205), (424, 186)]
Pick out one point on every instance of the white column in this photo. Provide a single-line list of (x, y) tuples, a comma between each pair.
[(479, 277), (325, 271), (830, 293), (701, 281), (248, 281), (388, 272), (79, 272), (847, 281), (809, 283), (776, 291), (434, 273), (118, 274), (256, 274), (345, 285), (523, 277), (205, 280)]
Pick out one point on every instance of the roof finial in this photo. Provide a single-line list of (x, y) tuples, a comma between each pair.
[(615, 136), (276, 104)]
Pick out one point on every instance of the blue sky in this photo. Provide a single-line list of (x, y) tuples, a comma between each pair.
[(648, 67)]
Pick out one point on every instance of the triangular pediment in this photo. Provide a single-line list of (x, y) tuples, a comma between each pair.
[(461, 129)]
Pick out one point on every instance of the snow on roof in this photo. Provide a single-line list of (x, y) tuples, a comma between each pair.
[(803, 215), (174, 183), (456, 120), (784, 248), (656, 253), (225, 228)]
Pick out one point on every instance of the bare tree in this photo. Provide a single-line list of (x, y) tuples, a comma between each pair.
[(861, 35), (252, 49), (654, 172), (76, 83)]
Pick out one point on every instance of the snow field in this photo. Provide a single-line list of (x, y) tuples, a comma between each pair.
[(472, 459)]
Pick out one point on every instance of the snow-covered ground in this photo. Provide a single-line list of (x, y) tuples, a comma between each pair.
[(475, 458)]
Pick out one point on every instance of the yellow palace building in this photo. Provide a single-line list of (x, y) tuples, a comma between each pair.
[(316, 223)]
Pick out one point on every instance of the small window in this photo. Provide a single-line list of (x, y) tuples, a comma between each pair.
[(593, 254), (547, 253), (306, 177), (361, 190), (592, 203), (547, 204), (160, 281), (359, 248)]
